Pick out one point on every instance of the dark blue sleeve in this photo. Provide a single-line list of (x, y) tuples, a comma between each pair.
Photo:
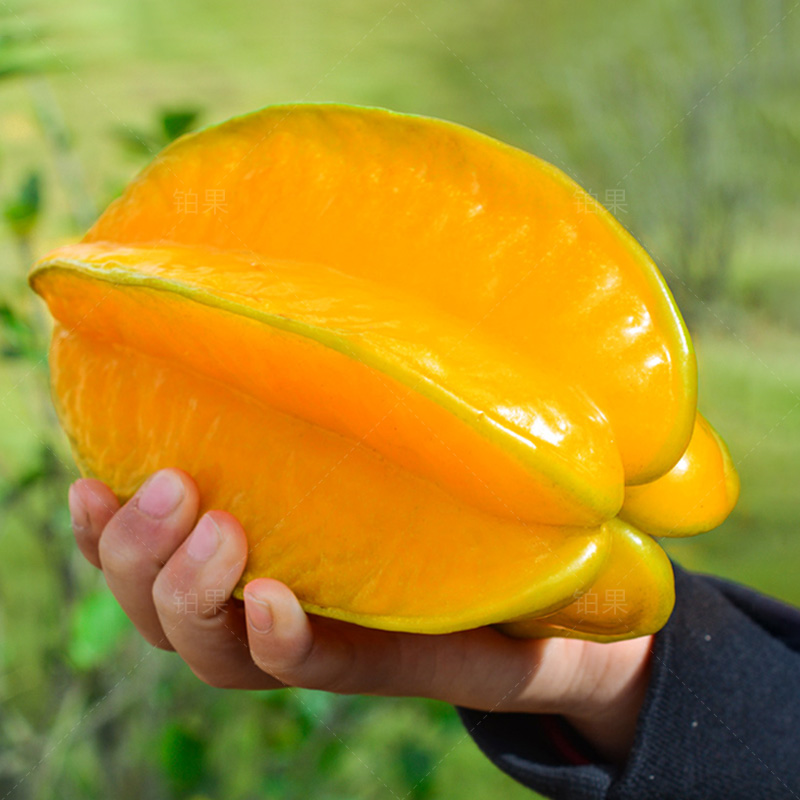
[(721, 718)]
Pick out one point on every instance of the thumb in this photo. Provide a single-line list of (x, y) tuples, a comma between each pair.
[(480, 668)]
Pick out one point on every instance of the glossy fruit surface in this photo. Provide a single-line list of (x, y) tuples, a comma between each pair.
[(424, 368), (633, 592), (696, 495), (356, 536)]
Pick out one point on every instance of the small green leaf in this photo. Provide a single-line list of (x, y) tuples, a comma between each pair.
[(17, 337), (416, 766), (176, 122), (183, 758), (22, 212)]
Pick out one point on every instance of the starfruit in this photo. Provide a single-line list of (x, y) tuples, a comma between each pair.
[(439, 385)]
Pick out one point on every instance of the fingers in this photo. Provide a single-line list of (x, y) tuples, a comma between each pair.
[(91, 506), (140, 538), (478, 668), (176, 588), (284, 644), (192, 598)]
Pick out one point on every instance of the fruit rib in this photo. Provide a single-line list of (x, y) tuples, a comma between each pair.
[(475, 228), (696, 495), (356, 537), (495, 431), (633, 595)]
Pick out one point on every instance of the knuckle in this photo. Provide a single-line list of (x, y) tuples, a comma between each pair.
[(285, 673), (174, 591), (265, 664), (160, 642), (114, 556), (169, 598), (123, 545), (316, 667), (84, 534)]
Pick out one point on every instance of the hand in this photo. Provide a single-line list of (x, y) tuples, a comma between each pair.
[(154, 552)]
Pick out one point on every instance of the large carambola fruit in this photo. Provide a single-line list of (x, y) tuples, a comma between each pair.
[(438, 384)]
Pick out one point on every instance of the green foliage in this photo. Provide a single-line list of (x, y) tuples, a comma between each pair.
[(687, 109), (170, 124), (20, 53), (18, 339), (21, 213), (183, 758), (176, 122), (416, 766)]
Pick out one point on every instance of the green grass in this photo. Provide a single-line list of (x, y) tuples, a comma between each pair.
[(750, 389)]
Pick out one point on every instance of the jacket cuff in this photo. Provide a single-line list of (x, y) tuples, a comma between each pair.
[(710, 724)]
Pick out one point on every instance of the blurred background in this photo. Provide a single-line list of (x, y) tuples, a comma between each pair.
[(680, 117)]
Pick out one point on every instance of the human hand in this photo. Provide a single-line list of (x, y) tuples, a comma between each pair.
[(154, 551)]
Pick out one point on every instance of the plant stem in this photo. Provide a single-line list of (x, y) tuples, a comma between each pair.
[(70, 171)]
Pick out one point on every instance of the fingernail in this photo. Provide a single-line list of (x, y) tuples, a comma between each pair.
[(259, 614), (161, 494), (205, 539), (79, 516)]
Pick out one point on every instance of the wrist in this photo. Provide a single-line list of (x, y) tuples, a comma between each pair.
[(604, 707)]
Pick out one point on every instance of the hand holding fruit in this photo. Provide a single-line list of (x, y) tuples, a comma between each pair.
[(156, 555)]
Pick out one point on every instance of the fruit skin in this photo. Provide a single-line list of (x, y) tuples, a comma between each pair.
[(479, 229), (695, 496), (503, 361), (633, 595), (324, 514), (448, 423)]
